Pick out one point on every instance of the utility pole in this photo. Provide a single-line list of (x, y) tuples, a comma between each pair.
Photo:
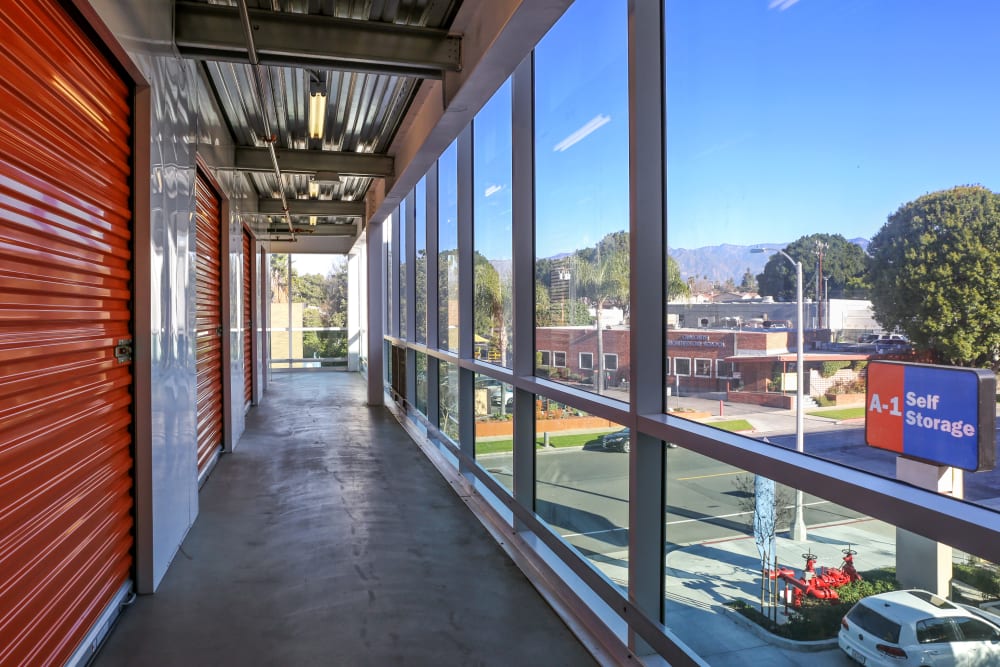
[(820, 246)]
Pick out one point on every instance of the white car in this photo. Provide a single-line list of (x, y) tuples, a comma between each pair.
[(915, 627)]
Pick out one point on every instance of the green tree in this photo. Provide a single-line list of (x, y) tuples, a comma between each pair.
[(308, 289), (420, 292), (843, 262), (492, 299), (676, 286), (603, 279), (447, 299), (279, 278), (935, 275), (749, 282), (335, 295)]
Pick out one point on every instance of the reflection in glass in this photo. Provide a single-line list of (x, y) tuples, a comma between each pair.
[(581, 170), (494, 409), (404, 221), (492, 230), (582, 484), (421, 370), (448, 400), (448, 249), (420, 289), (390, 314)]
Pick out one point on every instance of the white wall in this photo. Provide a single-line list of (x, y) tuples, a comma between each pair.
[(180, 127)]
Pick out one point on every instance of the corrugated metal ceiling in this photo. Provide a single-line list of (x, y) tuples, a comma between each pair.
[(364, 110)]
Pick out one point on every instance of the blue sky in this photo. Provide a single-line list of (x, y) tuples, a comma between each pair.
[(788, 118), (785, 118)]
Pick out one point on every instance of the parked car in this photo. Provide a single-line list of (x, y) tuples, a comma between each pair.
[(619, 440), (915, 627)]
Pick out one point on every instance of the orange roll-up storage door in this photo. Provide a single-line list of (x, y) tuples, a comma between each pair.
[(248, 258), (208, 321), (65, 310)]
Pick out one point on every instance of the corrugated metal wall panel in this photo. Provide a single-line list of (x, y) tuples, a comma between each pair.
[(248, 258), (208, 320), (65, 400)]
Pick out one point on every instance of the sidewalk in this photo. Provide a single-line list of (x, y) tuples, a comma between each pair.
[(701, 578)]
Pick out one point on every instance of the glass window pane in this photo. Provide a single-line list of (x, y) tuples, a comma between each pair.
[(582, 195), (793, 144), (421, 369), (725, 527), (404, 216), (448, 399), (492, 231), (420, 289), (391, 288), (494, 408), (308, 313), (448, 249), (581, 464), (279, 338)]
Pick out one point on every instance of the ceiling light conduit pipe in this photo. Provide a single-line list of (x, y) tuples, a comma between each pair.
[(259, 82)]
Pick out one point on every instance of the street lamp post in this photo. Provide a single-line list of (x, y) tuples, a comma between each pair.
[(798, 523)]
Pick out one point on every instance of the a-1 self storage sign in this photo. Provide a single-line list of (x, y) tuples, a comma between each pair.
[(940, 414)]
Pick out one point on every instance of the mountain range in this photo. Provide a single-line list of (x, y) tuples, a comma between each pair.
[(718, 263)]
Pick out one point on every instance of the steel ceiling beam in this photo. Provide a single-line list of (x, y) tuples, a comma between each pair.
[(214, 32), (318, 230), (320, 207), (309, 162)]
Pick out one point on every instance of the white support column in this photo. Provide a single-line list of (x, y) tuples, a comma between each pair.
[(354, 280), (922, 562)]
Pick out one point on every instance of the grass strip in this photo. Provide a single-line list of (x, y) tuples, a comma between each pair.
[(555, 441), (843, 413), (732, 425)]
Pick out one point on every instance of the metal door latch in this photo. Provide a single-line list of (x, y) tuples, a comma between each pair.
[(123, 350)]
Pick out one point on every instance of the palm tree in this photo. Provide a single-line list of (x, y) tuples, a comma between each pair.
[(604, 282)]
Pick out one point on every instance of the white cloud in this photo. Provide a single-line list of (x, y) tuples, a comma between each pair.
[(492, 190), (591, 125), (781, 5)]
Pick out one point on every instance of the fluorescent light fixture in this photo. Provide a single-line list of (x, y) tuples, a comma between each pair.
[(313, 220), (317, 115), (313, 189)]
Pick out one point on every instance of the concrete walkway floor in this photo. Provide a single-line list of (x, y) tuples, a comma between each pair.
[(328, 538)]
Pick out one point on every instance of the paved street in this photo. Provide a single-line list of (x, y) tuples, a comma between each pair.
[(711, 554)]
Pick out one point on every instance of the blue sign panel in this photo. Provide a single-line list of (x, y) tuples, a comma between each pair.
[(944, 415)]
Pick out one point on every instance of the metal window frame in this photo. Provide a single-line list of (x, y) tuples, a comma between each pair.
[(432, 302), (606, 356), (647, 306), (947, 520), (466, 374), (523, 269), (409, 208)]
